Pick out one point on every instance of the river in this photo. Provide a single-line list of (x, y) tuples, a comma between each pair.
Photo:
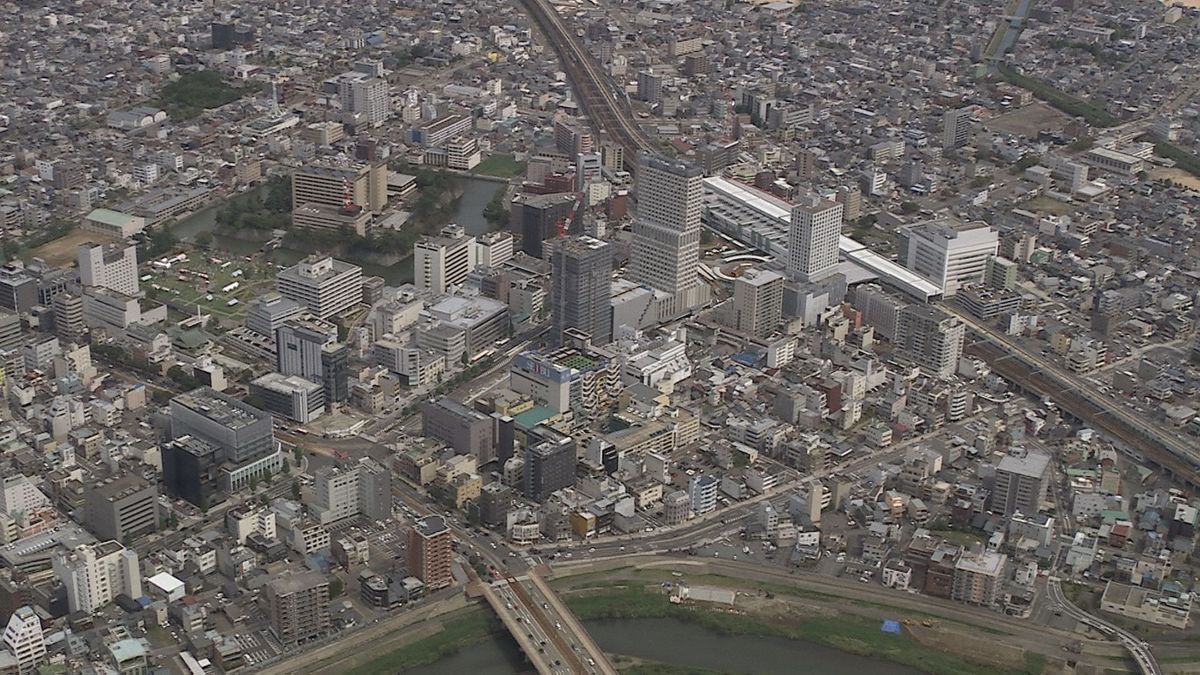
[(477, 192), (681, 644)]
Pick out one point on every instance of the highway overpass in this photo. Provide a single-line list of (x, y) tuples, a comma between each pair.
[(1139, 650)]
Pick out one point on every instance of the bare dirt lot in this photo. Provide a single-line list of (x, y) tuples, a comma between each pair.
[(1177, 176), (1028, 121), (62, 251)]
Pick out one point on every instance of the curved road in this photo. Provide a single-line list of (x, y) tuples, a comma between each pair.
[(1138, 649)]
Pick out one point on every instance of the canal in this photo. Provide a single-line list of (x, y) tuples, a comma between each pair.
[(680, 644), (476, 193)]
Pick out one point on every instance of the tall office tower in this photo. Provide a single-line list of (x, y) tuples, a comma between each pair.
[(549, 464), (572, 137), (220, 445), (588, 167), (758, 302), (25, 640), (322, 285), (956, 128), (266, 313), (649, 86), (1021, 482), (68, 318), (113, 267), (309, 349), (931, 338), (444, 261), (813, 239), (535, 218), (368, 97), (666, 232), (947, 251), (581, 288), (430, 550), (880, 310), (95, 574), (493, 249), (298, 607), (18, 288), (1001, 273), (222, 35), (341, 493)]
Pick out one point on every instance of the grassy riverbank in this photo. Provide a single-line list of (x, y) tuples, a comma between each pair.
[(851, 634), (459, 630)]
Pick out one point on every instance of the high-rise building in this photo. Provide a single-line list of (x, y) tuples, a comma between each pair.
[(574, 379), (612, 156), (322, 285), (95, 574), (549, 464), (947, 251), (1022, 479), (702, 493), (265, 314), (330, 185), (366, 96), (581, 288), (1001, 273), (956, 128), (931, 338), (466, 430), (18, 289), (25, 640), (121, 507), (364, 489), (493, 249), (979, 578), (289, 396), (880, 310), (222, 35), (309, 349), (535, 217), (444, 261), (219, 444), (68, 318), (10, 331), (298, 607), (666, 232), (113, 267), (758, 302), (494, 502), (649, 86), (813, 238), (430, 550), (676, 507)]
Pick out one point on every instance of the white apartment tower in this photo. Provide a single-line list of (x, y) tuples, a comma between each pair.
[(95, 574), (113, 267), (956, 128), (368, 97), (758, 302), (25, 640), (931, 338), (666, 232), (947, 251), (813, 239), (444, 261)]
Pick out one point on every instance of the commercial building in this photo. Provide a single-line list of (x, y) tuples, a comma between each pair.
[(666, 233), (758, 302), (1163, 607), (931, 338), (430, 551), (121, 507), (444, 261), (814, 237), (25, 640), (571, 379), (324, 286), (549, 464), (265, 314), (289, 396), (298, 607), (1022, 479), (95, 574), (947, 251), (113, 267), (493, 249), (18, 289), (309, 349), (462, 153), (535, 217), (364, 96), (466, 430), (362, 185), (68, 319), (581, 289), (464, 327), (439, 131), (364, 489), (676, 507)]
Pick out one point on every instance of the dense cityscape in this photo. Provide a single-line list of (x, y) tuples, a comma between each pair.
[(599, 336)]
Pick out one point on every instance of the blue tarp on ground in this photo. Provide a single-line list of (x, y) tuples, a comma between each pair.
[(890, 626)]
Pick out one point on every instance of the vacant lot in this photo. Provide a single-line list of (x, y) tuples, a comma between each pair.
[(1044, 204), (1028, 121), (62, 251)]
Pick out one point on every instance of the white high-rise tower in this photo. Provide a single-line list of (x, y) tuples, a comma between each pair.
[(813, 240), (666, 233)]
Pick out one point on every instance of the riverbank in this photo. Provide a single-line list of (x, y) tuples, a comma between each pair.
[(434, 641), (843, 632)]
